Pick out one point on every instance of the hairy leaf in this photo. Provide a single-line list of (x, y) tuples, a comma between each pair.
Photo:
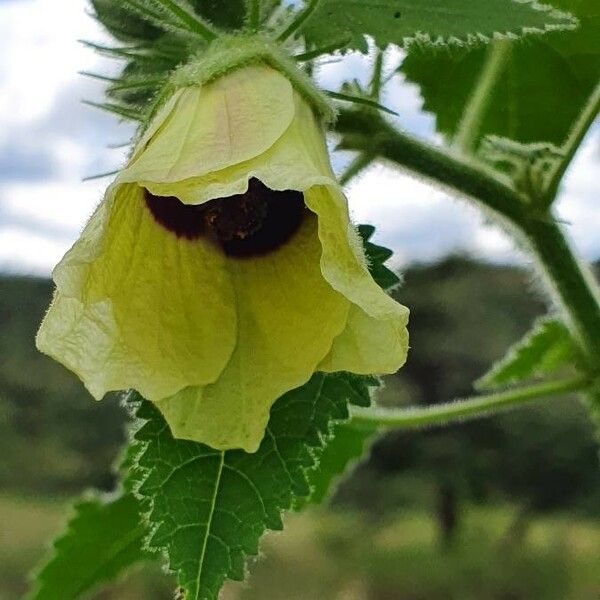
[(228, 15), (349, 440), (437, 22), (348, 445), (546, 348), (209, 508), (124, 112), (205, 509), (541, 87), (128, 24), (123, 24), (103, 538)]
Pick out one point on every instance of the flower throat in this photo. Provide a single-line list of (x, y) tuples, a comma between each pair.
[(245, 225)]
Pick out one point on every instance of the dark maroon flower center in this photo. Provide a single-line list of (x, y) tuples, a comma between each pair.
[(250, 224)]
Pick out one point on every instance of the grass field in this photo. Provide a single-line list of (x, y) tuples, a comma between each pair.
[(328, 556)]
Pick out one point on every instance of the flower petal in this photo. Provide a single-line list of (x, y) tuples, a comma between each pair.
[(343, 262), (207, 129), (368, 346), (288, 316), (137, 307), (298, 160)]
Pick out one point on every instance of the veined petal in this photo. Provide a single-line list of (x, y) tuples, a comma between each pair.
[(288, 316), (376, 338), (207, 129), (137, 307), (368, 346), (343, 262), (298, 160)]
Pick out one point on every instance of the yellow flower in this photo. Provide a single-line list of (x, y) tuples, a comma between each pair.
[(222, 269)]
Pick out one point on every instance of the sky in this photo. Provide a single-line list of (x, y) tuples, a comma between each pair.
[(50, 141)]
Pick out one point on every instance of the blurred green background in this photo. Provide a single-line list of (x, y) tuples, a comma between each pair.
[(506, 508)]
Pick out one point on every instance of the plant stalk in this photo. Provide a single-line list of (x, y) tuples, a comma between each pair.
[(572, 286), (460, 175), (442, 414), (571, 283), (317, 52), (376, 81), (469, 128)]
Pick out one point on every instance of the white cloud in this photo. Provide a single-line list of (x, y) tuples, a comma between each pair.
[(421, 223), (49, 140), (56, 203), (24, 252), (399, 95), (40, 53), (579, 202)]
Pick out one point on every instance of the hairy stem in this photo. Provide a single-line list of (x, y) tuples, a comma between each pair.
[(365, 132), (574, 289), (572, 285), (469, 128), (300, 19), (321, 50), (376, 80), (573, 141), (442, 414)]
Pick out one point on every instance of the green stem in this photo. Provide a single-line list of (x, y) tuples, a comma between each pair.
[(300, 19), (329, 49), (442, 414), (571, 283), (376, 81), (365, 132), (574, 289), (476, 108), (572, 143), (253, 14), (360, 100)]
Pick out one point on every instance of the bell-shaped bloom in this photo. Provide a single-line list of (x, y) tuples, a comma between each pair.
[(222, 269)]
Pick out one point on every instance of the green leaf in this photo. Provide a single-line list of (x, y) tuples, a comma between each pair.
[(349, 440), (103, 538), (123, 24), (124, 112), (545, 349), (530, 166), (208, 508), (540, 89), (435, 22), (205, 509), (127, 24), (377, 256), (177, 16), (349, 444), (228, 15)]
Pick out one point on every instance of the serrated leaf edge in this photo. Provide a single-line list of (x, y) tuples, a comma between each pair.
[(312, 447), (424, 40)]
